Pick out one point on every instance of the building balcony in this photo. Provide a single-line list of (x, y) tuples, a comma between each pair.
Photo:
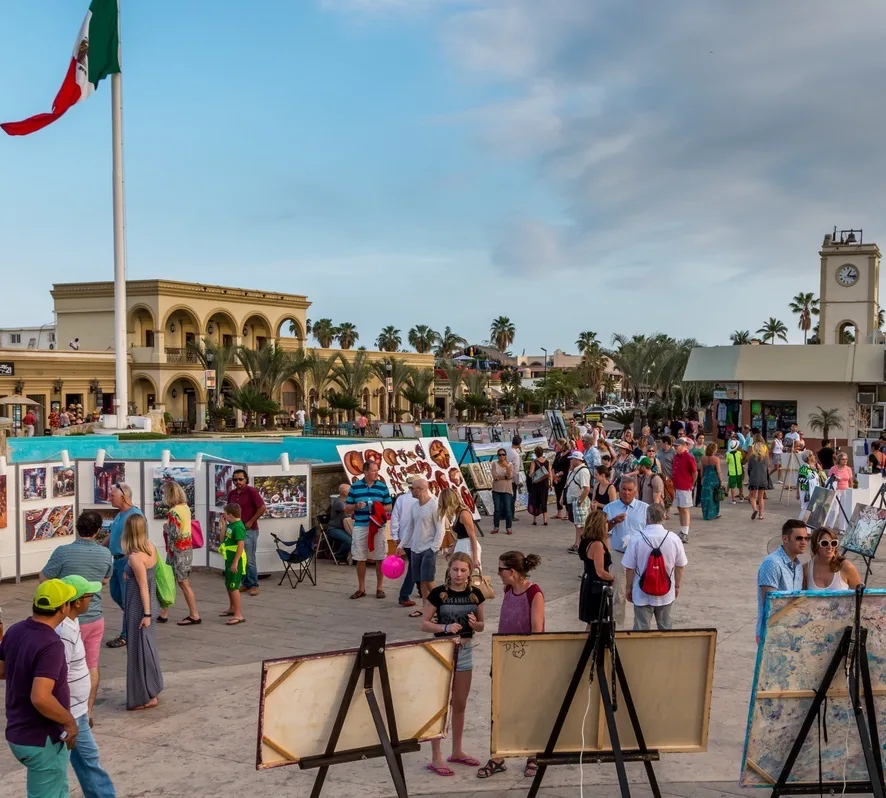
[(181, 355)]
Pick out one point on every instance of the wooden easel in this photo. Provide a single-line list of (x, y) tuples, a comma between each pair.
[(793, 457)]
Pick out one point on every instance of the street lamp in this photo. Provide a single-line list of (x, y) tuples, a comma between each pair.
[(544, 395), (389, 387)]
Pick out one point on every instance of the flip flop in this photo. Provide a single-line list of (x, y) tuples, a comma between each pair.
[(235, 621), (358, 594), (189, 621), (161, 619), (441, 771), (227, 614), (416, 614), (379, 594), (464, 760)]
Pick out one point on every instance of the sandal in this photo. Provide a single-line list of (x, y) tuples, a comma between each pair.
[(117, 642), (416, 614), (235, 621), (161, 619), (358, 594), (441, 771), (189, 621), (379, 594), (227, 614), (490, 769), (531, 768), (464, 760)]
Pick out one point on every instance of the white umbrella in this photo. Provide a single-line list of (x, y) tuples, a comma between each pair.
[(464, 357), (18, 400)]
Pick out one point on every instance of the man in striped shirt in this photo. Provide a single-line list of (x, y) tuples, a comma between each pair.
[(93, 778), (359, 505)]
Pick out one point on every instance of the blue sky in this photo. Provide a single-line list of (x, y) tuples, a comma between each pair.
[(448, 161)]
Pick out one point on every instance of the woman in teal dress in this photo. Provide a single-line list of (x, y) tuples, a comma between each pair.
[(710, 482)]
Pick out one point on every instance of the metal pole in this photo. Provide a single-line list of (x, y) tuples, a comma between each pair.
[(544, 396), (121, 370)]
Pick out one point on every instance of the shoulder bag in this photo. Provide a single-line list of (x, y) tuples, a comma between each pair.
[(483, 584)]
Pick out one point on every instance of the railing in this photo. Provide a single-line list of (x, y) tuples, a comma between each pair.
[(178, 354)]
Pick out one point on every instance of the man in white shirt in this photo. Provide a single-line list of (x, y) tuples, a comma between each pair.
[(94, 779), (627, 517), (636, 560), (515, 458), (792, 438), (578, 489), (300, 415), (424, 537), (401, 526)]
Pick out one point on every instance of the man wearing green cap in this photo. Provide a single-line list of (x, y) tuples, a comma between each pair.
[(93, 778), (39, 727)]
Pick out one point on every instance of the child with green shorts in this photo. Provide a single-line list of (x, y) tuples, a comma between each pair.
[(232, 549)]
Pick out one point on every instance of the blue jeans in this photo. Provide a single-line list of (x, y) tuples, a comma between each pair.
[(408, 580), (251, 577), (94, 779), (503, 509), (118, 588), (343, 539), (47, 768)]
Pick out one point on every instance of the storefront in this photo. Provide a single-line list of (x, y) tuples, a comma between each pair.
[(773, 416), (727, 409)]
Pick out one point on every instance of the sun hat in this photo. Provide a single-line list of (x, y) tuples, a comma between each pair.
[(83, 586), (623, 445), (51, 594), (645, 461), (411, 478), (576, 455), (733, 444)]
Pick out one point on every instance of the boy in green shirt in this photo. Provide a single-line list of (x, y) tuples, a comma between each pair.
[(235, 562)]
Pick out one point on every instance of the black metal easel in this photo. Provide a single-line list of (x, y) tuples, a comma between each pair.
[(601, 638), (370, 657), (829, 485), (852, 654)]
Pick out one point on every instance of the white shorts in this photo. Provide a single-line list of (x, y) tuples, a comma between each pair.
[(683, 498), (360, 550)]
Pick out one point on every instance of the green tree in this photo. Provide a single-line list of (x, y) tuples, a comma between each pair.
[(419, 386), (269, 367), (587, 342), (318, 373), (399, 373), (250, 401), (740, 337), (501, 333), (454, 378), (476, 383), (422, 338), (215, 357), (449, 343), (351, 377), (324, 332), (347, 334), (388, 339), (824, 420), (773, 329), (805, 305)]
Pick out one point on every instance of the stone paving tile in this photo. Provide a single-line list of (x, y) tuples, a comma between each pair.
[(202, 739)]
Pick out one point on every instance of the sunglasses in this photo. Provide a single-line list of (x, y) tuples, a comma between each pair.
[(502, 454), (239, 479), (802, 539), (504, 569), (827, 544)]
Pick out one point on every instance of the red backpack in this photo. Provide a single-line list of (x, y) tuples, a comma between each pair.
[(655, 580)]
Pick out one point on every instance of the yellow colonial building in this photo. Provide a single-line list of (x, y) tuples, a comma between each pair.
[(163, 317)]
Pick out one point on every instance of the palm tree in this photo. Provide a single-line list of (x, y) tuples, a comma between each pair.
[(805, 305), (419, 384), (454, 378), (587, 342), (347, 334), (475, 384), (740, 337), (881, 318), (501, 333), (773, 329), (399, 373), (216, 357), (318, 372), (422, 338), (250, 401), (823, 420), (325, 332), (269, 367), (351, 376), (449, 343), (388, 339)]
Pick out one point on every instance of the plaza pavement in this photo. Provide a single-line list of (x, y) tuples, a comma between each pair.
[(201, 741)]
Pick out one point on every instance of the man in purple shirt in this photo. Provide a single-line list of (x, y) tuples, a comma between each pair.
[(252, 507), (40, 729)]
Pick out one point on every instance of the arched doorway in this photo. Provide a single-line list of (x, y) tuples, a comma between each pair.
[(144, 394), (365, 403), (847, 332), (292, 397), (180, 328), (141, 327), (221, 327), (183, 394), (256, 331), (290, 327)]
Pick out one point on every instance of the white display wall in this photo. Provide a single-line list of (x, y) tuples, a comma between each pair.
[(45, 512), (9, 523)]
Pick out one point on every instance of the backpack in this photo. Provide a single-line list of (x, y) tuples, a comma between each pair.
[(655, 580), (196, 534)]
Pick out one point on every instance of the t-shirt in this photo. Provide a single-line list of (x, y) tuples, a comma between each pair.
[(78, 673), (301, 417), (425, 529), (116, 536), (29, 420), (515, 458), (235, 532), (85, 558), (249, 500), (337, 514), (650, 484), (792, 438), (826, 457), (454, 606), (361, 492), (576, 480), (666, 460), (637, 558), (683, 469), (32, 649)]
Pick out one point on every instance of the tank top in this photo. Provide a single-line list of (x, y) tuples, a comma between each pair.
[(837, 583), (515, 617), (602, 498), (460, 530), (590, 567)]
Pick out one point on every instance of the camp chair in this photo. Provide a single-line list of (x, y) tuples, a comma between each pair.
[(298, 557)]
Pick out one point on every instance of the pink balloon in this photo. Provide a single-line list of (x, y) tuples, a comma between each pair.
[(392, 566)]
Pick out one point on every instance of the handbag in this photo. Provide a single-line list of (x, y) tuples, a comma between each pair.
[(539, 474), (483, 584), (165, 579), (719, 494)]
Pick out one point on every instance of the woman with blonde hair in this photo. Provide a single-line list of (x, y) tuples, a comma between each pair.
[(461, 522), (179, 551), (594, 553), (759, 478), (458, 608), (827, 570), (144, 681)]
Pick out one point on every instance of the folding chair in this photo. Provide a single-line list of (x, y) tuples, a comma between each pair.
[(298, 557)]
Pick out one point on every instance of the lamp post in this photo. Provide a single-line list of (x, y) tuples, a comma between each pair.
[(389, 387), (544, 394)]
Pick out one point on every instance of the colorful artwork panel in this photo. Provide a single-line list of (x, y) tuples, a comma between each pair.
[(49, 522)]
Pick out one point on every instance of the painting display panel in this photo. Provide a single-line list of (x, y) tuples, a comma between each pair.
[(285, 496), (801, 634), (223, 480), (4, 503), (216, 531), (103, 480), (33, 484), (184, 475), (819, 507), (108, 515), (48, 523), (484, 502), (865, 530), (481, 475), (63, 482)]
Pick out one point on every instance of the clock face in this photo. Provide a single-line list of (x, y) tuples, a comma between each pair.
[(847, 275)]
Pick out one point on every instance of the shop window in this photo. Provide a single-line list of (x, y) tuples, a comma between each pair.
[(772, 417)]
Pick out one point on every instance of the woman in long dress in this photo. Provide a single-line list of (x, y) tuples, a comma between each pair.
[(144, 681), (711, 480), (539, 487)]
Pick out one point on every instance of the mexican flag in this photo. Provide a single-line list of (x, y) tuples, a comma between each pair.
[(96, 55)]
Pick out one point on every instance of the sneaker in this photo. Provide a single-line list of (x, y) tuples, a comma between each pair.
[(573, 549), (684, 536), (253, 591)]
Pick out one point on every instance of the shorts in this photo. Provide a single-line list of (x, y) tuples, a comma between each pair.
[(424, 565), (232, 581), (92, 633), (683, 498), (360, 546), (736, 481), (580, 512), (180, 562), (465, 659)]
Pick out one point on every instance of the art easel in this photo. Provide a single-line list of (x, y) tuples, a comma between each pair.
[(793, 457), (829, 484), (370, 657), (601, 638), (852, 655)]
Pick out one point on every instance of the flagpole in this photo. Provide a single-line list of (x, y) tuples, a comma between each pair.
[(121, 370)]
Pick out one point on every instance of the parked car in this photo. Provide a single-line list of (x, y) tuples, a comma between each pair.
[(611, 408)]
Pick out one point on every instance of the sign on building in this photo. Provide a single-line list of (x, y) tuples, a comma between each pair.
[(726, 390), (7, 368)]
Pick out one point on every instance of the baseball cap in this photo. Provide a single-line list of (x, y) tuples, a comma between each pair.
[(51, 594), (83, 586), (576, 455), (645, 461), (684, 441)]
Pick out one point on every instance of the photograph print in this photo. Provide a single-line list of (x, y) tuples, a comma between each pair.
[(865, 530), (184, 475), (217, 526), (48, 523), (819, 507), (223, 480), (104, 478), (284, 496), (4, 513), (33, 484), (62, 481)]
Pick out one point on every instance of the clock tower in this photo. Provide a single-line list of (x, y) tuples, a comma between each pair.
[(850, 280)]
